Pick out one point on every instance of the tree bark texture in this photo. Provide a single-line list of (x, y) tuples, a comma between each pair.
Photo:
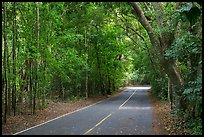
[(5, 64), (169, 66), (14, 61)]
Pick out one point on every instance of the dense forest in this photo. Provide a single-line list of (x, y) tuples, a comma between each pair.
[(72, 50)]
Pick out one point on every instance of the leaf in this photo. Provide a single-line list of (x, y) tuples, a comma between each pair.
[(190, 12), (188, 91), (186, 8)]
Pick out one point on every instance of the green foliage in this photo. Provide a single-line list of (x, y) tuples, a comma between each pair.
[(190, 12), (194, 126), (159, 85), (187, 51), (193, 96), (184, 48)]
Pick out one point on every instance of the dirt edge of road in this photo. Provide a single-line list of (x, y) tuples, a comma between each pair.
[(23, 121), (162, 119)]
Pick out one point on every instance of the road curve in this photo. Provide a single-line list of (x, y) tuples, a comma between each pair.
[(128, 113)]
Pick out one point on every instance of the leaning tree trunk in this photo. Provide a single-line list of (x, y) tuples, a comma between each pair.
[(169, 66)]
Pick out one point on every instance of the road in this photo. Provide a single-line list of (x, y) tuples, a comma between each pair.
[(127, 113)]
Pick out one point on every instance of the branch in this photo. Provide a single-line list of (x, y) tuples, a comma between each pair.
[(143, 20), (137, 33), (65, 10)]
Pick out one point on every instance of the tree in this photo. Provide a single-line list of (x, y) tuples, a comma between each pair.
[(160, 44), (14, 60), (5, 80), (178, 60)]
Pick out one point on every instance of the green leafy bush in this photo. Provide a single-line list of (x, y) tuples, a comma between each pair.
[(194, 126)]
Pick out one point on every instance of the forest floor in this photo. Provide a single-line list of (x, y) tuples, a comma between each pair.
[(162, 123)]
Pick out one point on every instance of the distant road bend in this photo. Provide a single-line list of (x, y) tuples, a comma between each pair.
[(127, 113)]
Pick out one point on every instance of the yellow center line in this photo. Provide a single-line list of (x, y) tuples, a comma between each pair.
[(98, 124)]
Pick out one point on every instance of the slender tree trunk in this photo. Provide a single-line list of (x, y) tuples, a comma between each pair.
[(109, 82), (14, 60), (8, 85), (36, 62), (5, 62), (170, 93), (113, 85), (27, 80), (86, 84), (30, 85), (62, 88), (86, 90), (9, 78), (44, 75)]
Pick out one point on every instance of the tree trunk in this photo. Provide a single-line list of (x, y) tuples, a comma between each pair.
[(9, 78), (170, 93), (36, 62), (30, 85), (157, 43), (9, 101), (109, 82), (5, 63), (86, 47), (14, 60), (62, 88)]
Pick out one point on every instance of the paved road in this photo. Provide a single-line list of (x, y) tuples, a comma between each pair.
[(128, 113)]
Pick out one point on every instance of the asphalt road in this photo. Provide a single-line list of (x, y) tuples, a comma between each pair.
[(128, 113)]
